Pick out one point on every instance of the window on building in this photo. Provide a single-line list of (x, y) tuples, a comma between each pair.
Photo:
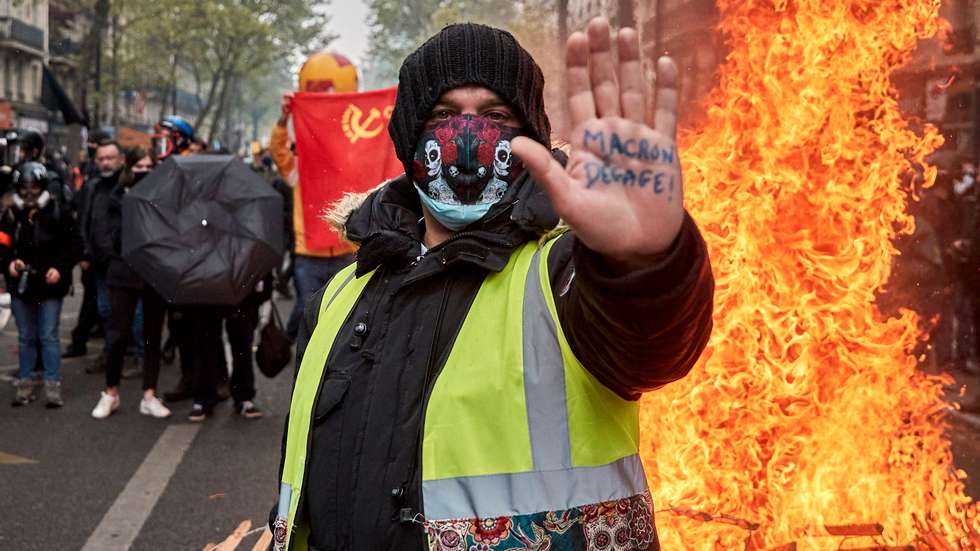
[(20, 79), (36, 95), (8, 89)]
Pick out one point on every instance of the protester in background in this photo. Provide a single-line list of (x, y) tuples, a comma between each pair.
[(964, 251), (173, 136), (90, 169), (197, 328), (126, 291), (240, 324), (39, 245), (312, 268), (25, 146), (97, 233), (89, 322), (262, 163), (197, 147), (959, 226)]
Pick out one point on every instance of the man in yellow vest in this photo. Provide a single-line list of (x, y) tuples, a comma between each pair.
[(312, 267), (471, 381)]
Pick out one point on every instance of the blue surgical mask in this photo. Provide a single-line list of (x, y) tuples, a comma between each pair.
[(454, 217), (463, 166)]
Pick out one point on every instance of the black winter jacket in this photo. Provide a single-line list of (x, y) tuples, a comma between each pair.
[(46, 239), (95, 227), (634, 331)]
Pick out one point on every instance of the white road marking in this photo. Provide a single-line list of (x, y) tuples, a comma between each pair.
[(124, 520)]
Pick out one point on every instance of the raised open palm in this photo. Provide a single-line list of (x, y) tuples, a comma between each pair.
[(621, 191)]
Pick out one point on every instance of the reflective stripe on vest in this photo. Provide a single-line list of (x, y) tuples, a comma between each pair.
[(514, 423)]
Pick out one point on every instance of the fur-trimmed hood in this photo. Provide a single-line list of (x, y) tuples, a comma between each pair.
[(384, 223)]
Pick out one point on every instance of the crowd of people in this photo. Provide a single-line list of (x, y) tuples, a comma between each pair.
[(54, 218)]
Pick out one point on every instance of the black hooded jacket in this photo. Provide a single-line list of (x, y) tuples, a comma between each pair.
[(634, 331), (43, 239)]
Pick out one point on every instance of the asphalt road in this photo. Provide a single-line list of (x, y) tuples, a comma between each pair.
[(62, 472), (68, 481)]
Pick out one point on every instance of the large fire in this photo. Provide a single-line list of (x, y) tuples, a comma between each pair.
[(807, 420)]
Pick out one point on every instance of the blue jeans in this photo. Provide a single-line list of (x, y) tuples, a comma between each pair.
[(310, 273), (37, 323)]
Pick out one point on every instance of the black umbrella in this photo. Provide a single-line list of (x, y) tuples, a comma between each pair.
[(202, 229)]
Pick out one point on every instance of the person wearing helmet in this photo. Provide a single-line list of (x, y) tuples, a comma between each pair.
[(28, 145), (173, 135), (24, 146), (312, 267), (39, 245)]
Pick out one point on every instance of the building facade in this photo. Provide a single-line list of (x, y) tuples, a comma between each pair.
[(940, 84), (23, 52), (683, 29)]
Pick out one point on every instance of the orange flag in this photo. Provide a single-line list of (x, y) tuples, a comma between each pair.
[(342, 145)]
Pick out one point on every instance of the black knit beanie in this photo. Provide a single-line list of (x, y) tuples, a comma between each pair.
[(458, 55)]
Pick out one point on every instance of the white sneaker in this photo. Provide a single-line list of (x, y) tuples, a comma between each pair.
[(154, 407), (107, 404)]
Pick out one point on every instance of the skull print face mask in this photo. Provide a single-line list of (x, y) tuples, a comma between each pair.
[(463, 166)]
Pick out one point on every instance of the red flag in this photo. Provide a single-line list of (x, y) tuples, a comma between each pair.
[(342, 145)]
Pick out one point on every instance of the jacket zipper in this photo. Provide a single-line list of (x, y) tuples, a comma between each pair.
[(405, 514), (424, 399)]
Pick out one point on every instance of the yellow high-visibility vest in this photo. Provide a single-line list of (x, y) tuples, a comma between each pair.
[(560, 438)]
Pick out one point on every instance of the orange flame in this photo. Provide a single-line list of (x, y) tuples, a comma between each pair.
[(806, 420)]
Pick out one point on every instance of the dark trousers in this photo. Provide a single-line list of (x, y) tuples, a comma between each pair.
[(240, 324), (207, 352), (182, 338), (123, 302), (88, 315)]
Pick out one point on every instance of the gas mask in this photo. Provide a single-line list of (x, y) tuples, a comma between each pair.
[(30, 181), (463, 166), (31, 198), (162, 146)]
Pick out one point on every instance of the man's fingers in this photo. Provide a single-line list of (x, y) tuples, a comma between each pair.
[(581, 105), (602, 71), (630, 75), (544, 169), (665, 119)]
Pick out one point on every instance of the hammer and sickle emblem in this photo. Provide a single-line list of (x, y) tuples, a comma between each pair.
[(357, 126)]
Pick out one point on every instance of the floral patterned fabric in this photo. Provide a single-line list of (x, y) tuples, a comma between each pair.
[(623, 525)]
